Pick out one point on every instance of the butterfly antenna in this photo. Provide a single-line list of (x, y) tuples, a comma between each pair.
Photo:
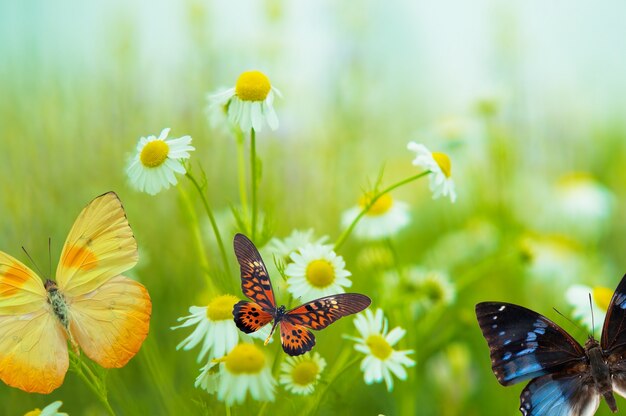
[(570, 321), (593, 324), (32, 261)]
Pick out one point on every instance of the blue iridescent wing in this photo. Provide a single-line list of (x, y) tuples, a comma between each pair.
[(571, 394), (613, 339), (524, 344)]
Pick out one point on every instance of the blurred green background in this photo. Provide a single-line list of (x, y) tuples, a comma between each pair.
[(527, 98)]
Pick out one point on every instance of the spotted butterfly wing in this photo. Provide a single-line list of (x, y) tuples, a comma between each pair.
[(250, 316), (317, 314), (613, 340), (255, 281)]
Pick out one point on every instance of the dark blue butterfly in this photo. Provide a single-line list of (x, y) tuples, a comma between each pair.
[(566, 379)]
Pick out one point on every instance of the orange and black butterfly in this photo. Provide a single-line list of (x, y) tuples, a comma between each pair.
[(294, 324)]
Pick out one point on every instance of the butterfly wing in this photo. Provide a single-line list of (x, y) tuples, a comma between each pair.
[(614, 330), (255, 281), (33, 346), (524, 344), (320, 313), (317, 314), (250, 316), (111, 322), (99, 247), (296, 339), (562, 394)]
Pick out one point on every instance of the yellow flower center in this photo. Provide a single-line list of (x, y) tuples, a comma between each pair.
[(304, 373), (252, 86), (221, 308), (379, 346), (154, 153), (320, 273), (602, 297), (443, 161), (382, 204), (245, 359), (35, 412)]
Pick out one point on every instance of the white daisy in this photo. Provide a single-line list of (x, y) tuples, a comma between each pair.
[(245, 369), (552, 258), (49, 410), (209, 377), (250, 102), (316, 271), (441, 183), (216, 328), (384, 218), (578, 297), (300, 374), (157, 160), (294, 242), (381, 359)]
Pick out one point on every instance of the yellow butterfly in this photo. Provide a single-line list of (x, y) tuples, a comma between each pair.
[(91, 304)]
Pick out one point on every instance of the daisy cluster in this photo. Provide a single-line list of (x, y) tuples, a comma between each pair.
[(233, 365)]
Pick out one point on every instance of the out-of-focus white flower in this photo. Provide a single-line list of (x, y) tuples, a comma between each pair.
[(583, 206), (383, 219), (49, 410), (552, 258), (578, 297)]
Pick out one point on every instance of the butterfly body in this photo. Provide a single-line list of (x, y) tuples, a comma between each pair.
[(566, 379), (296, 338), (600, 372), (90, 303)]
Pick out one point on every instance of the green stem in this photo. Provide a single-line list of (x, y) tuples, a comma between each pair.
[(241, 165), (95, 383), (342, 238), (339, 368), (209, 213), (253, 172), (197, 235)]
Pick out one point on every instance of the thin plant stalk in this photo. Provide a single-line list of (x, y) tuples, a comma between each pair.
[(95, 383), (254, 184), (346, 233), (209, 213), (197, 235), (241, 167)]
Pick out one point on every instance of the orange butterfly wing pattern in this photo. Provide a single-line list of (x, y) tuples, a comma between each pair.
[(33, 344), (295, 336), (317, 314), (296, 339), (93, 305), (250, 316), (320, 313), (255, 282)]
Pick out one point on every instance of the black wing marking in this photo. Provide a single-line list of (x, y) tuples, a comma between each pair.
[(524, 344), (320, 313), (614, 330), (561, 394), (255, 281)]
